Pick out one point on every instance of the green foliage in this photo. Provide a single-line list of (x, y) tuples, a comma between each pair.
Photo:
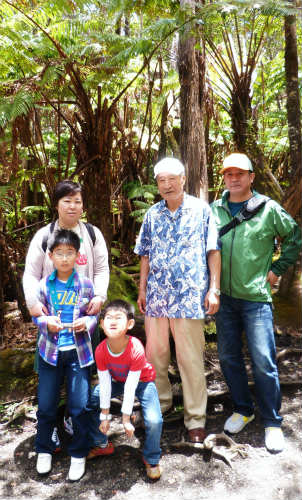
[(6, 202), (135, 190)]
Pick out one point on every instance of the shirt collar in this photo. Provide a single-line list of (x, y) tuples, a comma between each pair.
[(183, 206), (70, 280)]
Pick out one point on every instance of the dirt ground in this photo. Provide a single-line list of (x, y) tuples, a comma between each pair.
[(188, 473)]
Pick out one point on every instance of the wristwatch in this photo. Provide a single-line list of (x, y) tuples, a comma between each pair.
[(215, 290), (105, 416)]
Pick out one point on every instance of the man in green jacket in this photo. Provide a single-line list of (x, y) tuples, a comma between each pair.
[(247, 277)]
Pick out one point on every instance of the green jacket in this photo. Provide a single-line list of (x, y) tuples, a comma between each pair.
[(247, 249)]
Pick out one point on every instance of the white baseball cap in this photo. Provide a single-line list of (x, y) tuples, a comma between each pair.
[(169, 166), (237, 160)]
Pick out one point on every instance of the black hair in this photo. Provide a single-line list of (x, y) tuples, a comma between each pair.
[(64, 237), (65, 188), (119, 305)]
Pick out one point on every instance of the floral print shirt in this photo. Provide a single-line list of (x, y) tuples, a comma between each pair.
[(177, 245)]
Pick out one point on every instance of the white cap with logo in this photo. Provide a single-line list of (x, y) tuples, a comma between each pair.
[(169, 166), (237, 160)]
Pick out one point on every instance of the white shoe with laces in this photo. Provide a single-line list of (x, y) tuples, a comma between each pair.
[(274, 439), (236, 422), (77, 468), (44, 463)]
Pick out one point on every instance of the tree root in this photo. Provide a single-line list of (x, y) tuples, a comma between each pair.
[(212, 444)]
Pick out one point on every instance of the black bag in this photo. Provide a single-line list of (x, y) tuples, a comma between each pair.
[(248, 211)]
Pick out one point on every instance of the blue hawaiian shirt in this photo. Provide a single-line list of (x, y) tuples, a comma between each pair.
[(177, 245)]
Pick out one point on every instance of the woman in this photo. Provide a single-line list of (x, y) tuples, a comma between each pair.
[(92, 262)]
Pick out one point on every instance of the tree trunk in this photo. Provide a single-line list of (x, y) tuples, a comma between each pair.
[(245, 138), (93, 153), (292, 197), (191, 67)]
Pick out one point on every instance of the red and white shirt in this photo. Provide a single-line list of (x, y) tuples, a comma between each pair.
[(129, 367)]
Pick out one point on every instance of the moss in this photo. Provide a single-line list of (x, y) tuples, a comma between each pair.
[(122, 286), (17, 362)]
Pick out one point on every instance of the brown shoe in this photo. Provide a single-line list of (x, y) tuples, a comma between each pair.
[(152, 471), (197, 435)]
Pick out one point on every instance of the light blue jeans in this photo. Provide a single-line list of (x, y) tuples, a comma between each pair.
[(146, 393), (256, 320)]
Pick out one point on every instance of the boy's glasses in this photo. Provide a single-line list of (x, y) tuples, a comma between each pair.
[(67, 256)]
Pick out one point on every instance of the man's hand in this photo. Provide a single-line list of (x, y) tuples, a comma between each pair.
[(141, 301), (54, 324), (79, 325), (129, 428), (94, 305), (104, 426), (272, 278), (38, 309), (211, 302)]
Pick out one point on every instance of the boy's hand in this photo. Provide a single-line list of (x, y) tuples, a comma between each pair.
[(129, 429), (79, 325), (54, 324), (104, 426)]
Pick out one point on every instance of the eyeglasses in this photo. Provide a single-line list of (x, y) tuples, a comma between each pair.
[(67, 256)]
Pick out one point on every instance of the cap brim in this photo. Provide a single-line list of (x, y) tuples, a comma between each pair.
[(233, 166)]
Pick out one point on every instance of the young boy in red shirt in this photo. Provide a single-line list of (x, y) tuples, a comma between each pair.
[(123, 369)]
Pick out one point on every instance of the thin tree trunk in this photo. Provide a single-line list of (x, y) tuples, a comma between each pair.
[(292, 197), (191, 67)]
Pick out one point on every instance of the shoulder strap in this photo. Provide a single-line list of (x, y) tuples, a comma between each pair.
[(91, 232), (46, 236), (248, 211), (89, 228)]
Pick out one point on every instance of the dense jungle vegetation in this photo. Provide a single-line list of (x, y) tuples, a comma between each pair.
[(98, 91)]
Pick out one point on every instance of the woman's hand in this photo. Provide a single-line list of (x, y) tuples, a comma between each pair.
[(94, 305), (38, 309)]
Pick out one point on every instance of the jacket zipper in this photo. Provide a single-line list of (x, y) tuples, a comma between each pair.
[(231, 255)]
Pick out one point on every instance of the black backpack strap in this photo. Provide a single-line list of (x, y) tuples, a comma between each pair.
[(91, 232), (248, 211), (46, 236)]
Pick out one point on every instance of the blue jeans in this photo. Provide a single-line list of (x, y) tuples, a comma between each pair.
[(78, 393), (256, 320), (146, 393)]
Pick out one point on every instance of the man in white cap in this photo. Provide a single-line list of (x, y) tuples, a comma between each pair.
[(179, 283), (247, 277)]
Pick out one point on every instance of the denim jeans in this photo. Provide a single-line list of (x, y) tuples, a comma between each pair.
[(78, 393), (146, 393), (256, 320)]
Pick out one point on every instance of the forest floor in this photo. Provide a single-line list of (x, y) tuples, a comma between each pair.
[(252, 473)]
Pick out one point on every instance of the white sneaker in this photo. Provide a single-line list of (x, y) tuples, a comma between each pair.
[(77, 468), (274, 439), (44, 463), (236, 422)]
